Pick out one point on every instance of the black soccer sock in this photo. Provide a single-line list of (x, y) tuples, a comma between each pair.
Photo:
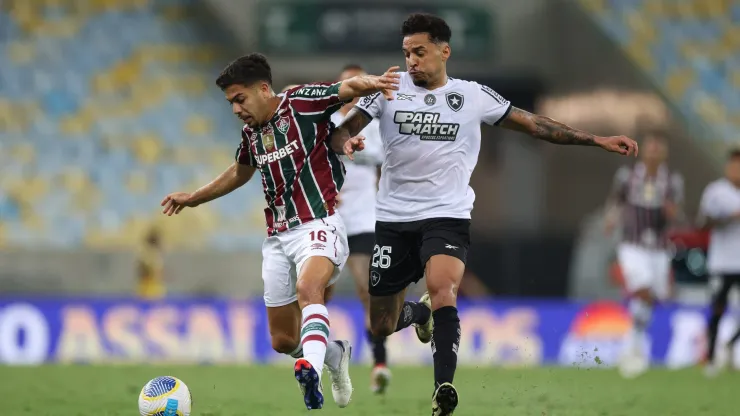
[(412, 313), (445, 342), (734, 338), (712, 335), (378, 344)]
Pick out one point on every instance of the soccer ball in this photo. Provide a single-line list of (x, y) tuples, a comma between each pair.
[(165, 396)]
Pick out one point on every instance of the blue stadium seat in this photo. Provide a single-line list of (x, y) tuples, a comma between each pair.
[(689, 40)]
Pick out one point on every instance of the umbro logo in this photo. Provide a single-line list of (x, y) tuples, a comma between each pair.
[(450, 247), (406, 97)]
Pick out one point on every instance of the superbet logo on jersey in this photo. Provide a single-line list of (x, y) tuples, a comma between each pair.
[(426, 126), (276, 155)]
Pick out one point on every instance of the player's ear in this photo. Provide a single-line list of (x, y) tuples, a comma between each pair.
[(265, 89), (446, 51)]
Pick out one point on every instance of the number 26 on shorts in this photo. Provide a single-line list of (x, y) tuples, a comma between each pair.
[(381, 256)]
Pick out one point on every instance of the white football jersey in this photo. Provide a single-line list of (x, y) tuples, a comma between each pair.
[(357, 196), (720, 200), (431, 141)]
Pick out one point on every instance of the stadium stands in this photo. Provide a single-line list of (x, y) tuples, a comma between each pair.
[(106, 106), (689, 49)]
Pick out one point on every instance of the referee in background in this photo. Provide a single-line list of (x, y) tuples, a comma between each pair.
[(720, 213)]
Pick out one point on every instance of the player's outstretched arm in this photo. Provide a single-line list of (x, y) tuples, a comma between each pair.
[(344, 139), (545, 128), (363, 85), (232, 178)]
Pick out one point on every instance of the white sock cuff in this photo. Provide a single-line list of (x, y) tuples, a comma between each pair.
[(298, 352), (314, 309), (640, 310)]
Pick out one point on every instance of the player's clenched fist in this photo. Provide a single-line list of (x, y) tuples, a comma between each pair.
[(618, 144), (354, 144), (388, 82), (176, 202)]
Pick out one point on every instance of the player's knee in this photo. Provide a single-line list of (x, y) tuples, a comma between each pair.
[(284, 344), (718, 308), (309, 292), (442, 291), (645, 295)]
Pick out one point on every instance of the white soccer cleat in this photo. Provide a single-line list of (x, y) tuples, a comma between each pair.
[(424, 332), (380, 378), (712, 370), (341, 384), (633, 364)]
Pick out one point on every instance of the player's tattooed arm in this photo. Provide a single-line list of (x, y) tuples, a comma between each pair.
[(363, 85), (547, 129), (344, 140)]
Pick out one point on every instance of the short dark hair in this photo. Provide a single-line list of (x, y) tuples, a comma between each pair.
[(733, 154), (245, 70), (353, 67), (435, 26)]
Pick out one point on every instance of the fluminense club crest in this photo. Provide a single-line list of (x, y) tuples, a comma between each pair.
[(283, 124)]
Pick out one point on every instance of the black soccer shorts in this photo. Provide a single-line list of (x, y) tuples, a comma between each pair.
[(361, 243), (402, 250)]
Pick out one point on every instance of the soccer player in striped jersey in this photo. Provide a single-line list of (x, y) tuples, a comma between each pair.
[(431, 136), (285, 139), (646, 199)]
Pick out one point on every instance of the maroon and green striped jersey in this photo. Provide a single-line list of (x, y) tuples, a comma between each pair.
[(301, 175)]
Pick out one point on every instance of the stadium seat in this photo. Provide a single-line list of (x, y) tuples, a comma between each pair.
[(689, 49), (105, 107)]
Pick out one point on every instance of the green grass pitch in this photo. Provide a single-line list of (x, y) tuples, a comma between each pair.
[(265, 390)]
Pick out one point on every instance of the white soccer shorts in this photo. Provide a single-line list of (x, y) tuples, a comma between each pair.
[(645, 268), (284, 254)]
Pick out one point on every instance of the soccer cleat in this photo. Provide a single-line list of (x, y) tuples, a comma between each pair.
[(310, 384), (379, 379), (444, 400), (633, 364), (424, 332), (341, 385)]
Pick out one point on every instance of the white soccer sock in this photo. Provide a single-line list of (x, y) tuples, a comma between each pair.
[(333, 355), (642, 313), (315, 335), (298, 352)]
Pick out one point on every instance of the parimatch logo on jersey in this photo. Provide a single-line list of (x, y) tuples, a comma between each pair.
[(426, 126)]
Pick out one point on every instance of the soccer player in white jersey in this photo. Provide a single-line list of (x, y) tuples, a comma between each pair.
[(431, 136), (357, 206), (720, 212)]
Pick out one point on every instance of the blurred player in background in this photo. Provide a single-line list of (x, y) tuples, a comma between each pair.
[(357, 206), (285, 138), (431, 136), (150, 267), (646, 199), (720, 213)]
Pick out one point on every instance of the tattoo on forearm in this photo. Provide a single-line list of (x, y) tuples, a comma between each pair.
[(355, 121), (547, 129)]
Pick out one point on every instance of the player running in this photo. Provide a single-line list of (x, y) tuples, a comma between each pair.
[(285, 139), (646, 198), (357, 206), (720, 213), (431, 136)]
